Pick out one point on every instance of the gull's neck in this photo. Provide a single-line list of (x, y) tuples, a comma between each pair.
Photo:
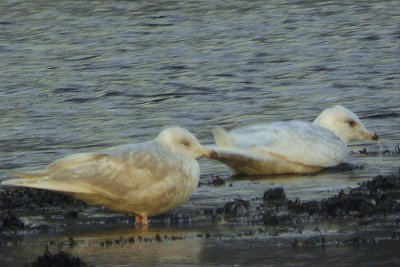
[(332, 127)]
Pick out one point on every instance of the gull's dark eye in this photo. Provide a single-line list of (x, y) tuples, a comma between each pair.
[(185, 142), (352, 123)]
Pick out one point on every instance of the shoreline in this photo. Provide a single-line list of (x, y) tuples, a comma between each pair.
[(360, 217)]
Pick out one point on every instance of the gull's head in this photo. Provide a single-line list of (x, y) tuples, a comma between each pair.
[(182, 141), (344, 124)]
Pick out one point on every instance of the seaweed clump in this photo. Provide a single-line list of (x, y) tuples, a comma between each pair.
[(276, 196), (36, 199), (59, 259), (236, 208), (12, 200), (10, 222), (381, 195)]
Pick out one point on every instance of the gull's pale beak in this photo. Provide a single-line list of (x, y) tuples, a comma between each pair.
[(370, 135), (209, 153)]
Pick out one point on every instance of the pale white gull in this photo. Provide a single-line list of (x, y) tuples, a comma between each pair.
[(290, 146), (145, 178)]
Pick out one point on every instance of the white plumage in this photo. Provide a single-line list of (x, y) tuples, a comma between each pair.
[(291, 146), (145, 179)]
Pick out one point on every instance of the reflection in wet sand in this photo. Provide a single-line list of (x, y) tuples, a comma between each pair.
[(209, 245), (155, 246), (258, 252)]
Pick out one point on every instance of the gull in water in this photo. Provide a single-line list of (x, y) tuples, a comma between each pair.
[(290, 146), (145, 178)]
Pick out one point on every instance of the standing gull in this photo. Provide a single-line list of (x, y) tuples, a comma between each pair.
[(145, 178), (291, 146)]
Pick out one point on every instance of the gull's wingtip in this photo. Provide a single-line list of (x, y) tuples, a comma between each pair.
[(40, 183), (30, 174), (13, 182)]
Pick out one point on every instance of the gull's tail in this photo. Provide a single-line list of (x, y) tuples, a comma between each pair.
[(47, 178), (35, 180), (32, 179), (27, 179), (221, 136)]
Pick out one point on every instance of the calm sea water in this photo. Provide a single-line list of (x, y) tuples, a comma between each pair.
[(79, 76)]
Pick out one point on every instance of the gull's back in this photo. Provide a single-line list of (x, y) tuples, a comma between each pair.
[(294, 141)]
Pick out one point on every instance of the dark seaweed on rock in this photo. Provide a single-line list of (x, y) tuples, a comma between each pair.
[(59, 259), (236, 208), (31, 199), (35, 199), (381, 195), (276, 195), (343, 204), (383, 183), (216, 181), (10, 222), (309, 207)]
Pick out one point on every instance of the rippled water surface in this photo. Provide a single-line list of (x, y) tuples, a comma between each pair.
[(79, 76)]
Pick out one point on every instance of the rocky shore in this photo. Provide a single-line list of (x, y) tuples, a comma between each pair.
[(366, 214)]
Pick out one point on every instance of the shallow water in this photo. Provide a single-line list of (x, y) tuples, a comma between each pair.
[(78, 76), (112, 246)]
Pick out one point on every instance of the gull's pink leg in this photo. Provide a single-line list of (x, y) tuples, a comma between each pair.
[(142, 220), (138, 219)]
